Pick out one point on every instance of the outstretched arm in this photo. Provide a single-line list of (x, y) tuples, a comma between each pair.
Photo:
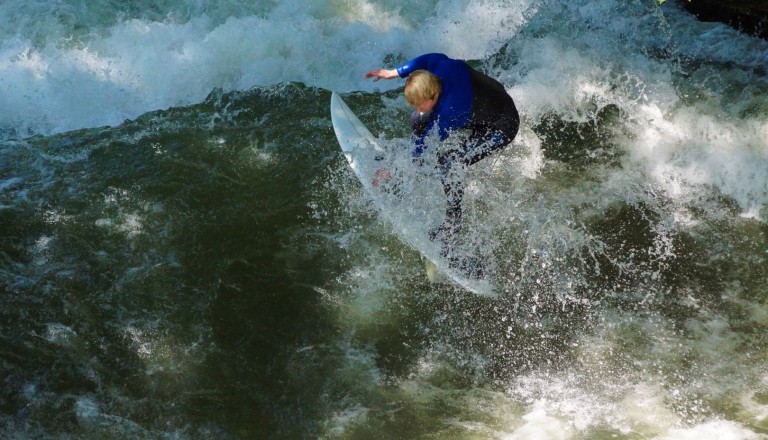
[(382, 73)]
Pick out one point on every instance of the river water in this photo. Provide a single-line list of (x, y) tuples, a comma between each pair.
[(185, 254)]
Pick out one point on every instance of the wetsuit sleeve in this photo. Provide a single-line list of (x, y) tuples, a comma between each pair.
[(425, 62)]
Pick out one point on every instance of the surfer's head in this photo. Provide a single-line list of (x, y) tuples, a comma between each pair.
[(422, 89)]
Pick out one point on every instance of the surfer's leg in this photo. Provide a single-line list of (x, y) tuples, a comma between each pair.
[(452, 169), (484, 140), (453, 166)]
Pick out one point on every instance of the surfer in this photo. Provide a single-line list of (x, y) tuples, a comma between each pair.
[(448, 95)]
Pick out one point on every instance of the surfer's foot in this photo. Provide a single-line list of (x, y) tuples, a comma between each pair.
[(469, 267)]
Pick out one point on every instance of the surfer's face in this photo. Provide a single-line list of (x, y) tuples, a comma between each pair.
[(427, 104)]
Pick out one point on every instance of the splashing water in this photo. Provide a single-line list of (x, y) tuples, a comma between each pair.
[(214, 269)]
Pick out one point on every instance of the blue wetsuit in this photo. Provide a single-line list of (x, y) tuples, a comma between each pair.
[(468, 99), (453, 109)]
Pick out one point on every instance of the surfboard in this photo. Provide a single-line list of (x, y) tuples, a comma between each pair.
[(411, 199)]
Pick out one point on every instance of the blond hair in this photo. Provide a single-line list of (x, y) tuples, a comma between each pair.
[(421, 85)]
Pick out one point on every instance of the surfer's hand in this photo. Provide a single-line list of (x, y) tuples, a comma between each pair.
[(381, 73), (380, 176)]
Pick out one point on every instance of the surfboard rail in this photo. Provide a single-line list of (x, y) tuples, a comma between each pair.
[(364, 154)]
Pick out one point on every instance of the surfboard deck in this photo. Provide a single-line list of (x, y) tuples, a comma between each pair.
[(408, 201)]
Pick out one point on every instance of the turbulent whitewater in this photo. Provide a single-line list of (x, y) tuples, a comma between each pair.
[(185, 253)]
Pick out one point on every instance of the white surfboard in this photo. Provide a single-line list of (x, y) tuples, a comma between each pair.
[(412, 199)]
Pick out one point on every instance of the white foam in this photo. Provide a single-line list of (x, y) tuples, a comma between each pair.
[(632, 377), (718, 141), (693, 148), (136, 65), (540, 425), (60, 334), (715, 430)]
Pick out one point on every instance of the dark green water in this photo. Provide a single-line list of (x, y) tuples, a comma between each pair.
[(214, 271), (169, 266)]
